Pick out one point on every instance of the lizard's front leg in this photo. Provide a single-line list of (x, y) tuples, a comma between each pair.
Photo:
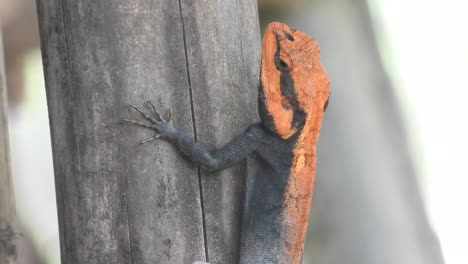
[(233, 152)]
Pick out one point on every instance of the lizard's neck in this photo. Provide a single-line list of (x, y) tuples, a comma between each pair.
[(299, 190)]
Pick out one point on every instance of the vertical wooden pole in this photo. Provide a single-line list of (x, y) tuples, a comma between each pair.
[(223, 55), (121, 202), (7, 203)]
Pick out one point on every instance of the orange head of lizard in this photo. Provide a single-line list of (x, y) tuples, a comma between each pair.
[(294, 84)]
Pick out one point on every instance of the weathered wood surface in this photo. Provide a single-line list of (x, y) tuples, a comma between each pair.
[(121, 202), (7, 203), (223, 48)]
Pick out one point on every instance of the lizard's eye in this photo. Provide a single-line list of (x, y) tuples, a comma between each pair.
[(286, 103), (281, 64)]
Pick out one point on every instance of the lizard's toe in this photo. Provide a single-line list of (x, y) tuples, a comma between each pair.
[(146, 140), (134, 122), (143, 114), (156, 113)]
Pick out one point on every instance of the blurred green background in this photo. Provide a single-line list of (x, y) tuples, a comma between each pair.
[(392, 175)]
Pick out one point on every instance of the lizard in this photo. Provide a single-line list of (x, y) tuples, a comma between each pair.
[(280, 150)]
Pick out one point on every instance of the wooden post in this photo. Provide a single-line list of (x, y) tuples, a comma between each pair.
[(121, 202), (7, 203)]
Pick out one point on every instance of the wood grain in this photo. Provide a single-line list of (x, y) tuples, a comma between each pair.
[(223, 47), (121, 202)]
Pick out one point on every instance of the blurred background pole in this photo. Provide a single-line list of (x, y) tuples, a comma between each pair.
[(367, 206), (7, 204), (121, 202)]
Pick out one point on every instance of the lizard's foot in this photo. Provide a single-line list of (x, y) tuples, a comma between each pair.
[(162, 126)]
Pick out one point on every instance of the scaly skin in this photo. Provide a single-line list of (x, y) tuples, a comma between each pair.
[(281, 149)]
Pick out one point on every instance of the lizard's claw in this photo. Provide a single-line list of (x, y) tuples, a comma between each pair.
[(158, 124), (158, 116), (137, 123), (143, 114), (152, 127), (157, 136)]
